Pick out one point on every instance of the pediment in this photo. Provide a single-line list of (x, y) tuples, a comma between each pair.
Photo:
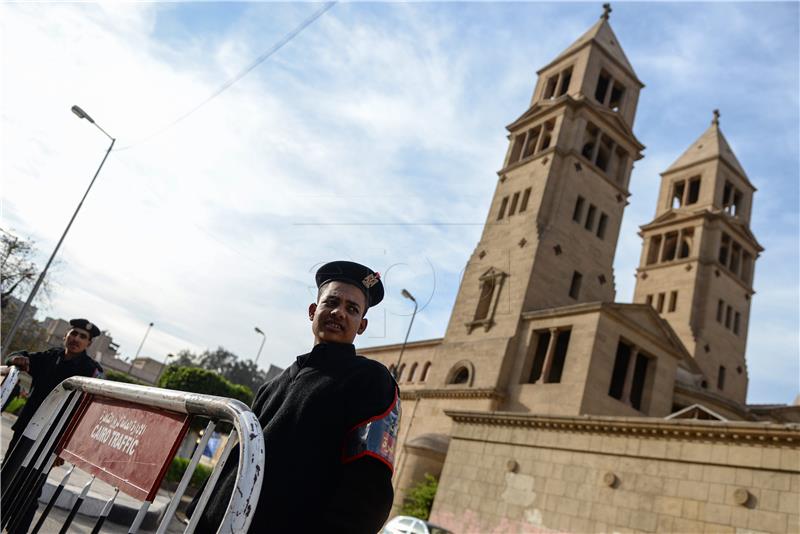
[(643, 317)]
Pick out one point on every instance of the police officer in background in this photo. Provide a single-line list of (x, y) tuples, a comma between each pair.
[(50, 367), (330, 423)]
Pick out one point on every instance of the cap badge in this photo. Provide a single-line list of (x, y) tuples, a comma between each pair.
[(371, 280), (89, 326)]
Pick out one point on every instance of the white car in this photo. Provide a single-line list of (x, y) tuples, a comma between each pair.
[(404, 524)]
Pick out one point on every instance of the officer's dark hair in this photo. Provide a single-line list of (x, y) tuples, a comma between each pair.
[(366, 300)]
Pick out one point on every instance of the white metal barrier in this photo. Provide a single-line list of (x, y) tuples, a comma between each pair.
[(94, 423), (10, 378)]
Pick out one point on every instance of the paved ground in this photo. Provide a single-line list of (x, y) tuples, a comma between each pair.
[(99, 490)]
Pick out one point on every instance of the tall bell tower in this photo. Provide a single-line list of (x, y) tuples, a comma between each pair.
[(698, 259), (552, 228)]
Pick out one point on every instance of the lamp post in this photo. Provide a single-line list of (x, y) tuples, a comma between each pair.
[(263, 339), (140, 347), (10, 337), (161, 372), (410, 297)]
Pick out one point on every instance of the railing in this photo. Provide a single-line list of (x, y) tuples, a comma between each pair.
[(116, 432), (10, 377)]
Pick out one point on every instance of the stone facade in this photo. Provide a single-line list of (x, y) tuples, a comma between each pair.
[(543, 386)]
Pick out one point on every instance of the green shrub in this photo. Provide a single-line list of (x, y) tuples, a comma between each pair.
[(178, 467), (420, 498), (15, 405), (203, 381), (117, 376)]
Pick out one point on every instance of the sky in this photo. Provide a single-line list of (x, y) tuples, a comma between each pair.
[(374, 135)]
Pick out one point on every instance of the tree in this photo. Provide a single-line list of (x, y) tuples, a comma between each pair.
[(30, 335), (18, 270), (186, 358), (419, 501), (203, 381), (226, 364)]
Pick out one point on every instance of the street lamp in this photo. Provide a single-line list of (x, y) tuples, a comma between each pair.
[(140, 347), (10, 337), (410, 297), (263, 339), (161, 372)]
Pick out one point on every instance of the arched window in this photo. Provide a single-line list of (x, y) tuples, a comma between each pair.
[(424, 376), (461, 376), (400, 372), (391, 369), (412, 372)]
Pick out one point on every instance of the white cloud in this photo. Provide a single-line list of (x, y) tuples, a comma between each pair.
[(376, 122)]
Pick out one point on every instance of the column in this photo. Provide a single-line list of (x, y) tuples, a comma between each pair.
[(626, 390), (548, 359)]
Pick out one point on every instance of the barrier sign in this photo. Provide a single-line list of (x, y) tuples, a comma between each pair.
[(129, 446)]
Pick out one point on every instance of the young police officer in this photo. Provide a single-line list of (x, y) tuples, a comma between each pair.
[(330, 422), (49, 368)]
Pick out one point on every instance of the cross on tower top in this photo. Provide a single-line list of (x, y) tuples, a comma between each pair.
[(606, 11), (715, 120)]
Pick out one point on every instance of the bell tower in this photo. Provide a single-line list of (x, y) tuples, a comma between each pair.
[(553, 224), (698, 259)]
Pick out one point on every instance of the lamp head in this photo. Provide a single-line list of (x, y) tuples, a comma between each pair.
[(82, 114), (258, 330), (408, 295)]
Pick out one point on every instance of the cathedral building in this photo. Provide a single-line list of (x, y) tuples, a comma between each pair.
[(547, 405)]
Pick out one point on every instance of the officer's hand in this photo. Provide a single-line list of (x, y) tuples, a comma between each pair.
[(22, 362), (58, 462)]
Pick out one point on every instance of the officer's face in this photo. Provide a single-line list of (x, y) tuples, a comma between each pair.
[(338, 315), (77, 340)]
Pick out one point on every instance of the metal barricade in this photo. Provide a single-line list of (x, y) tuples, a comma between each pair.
[(10, 376), (84, 419)]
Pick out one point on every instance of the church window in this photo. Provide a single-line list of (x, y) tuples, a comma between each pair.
[(694, 191), (533, 139), (589, 140), (686, 242), (720, 310), (604, 152), (577, 213), (649, 300), (737, 317), (747, 266), (620, 370), (673, 301), (514, 201), (559, 357), (412, 372), (485, 299), (542, 342), (525, 197), (620, 164), (731, 199), (601, 225), (678, 189), (670, 246), (424, 376), (516, 149), (590, 217), (736, 253), (547, 136), (723, 249), (400, 372), (617, 92), (460, 376), (566, 77), (653, 251), (603, 81), (660, 305), (575, 285), (639, 379), (550, 88), (728, 316), (503, 205), (721, 378)]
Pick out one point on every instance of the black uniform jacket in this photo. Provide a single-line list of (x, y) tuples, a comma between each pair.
[(48, 369), (311, 482)]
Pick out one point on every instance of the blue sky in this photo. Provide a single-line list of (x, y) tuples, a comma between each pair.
[(375, 135)]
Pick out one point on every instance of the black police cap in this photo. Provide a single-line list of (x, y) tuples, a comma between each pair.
[(364, 278), (84, 324)]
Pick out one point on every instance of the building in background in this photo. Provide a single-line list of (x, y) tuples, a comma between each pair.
[(547, 406)]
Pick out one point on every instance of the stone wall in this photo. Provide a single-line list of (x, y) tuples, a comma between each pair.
[(524, 473)]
